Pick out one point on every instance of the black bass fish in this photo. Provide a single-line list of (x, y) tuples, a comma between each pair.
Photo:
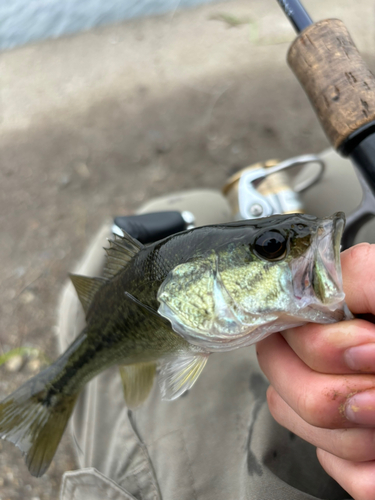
[(162, 308)]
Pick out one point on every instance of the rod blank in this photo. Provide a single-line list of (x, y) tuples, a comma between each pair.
[(296, 13)]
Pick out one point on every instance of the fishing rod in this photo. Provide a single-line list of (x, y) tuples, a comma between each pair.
[(341, 90), (296, 13)]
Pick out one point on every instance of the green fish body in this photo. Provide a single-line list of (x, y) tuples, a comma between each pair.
[(161, 309)]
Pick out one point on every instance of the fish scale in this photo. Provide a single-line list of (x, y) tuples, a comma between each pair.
[(161, 309)]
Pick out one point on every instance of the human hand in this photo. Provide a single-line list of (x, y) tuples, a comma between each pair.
[(323, 384)]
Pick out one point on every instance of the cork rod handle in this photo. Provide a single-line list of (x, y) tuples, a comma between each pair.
[(337, 81)]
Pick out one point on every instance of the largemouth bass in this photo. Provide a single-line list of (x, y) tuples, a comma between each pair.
[(161, 309)]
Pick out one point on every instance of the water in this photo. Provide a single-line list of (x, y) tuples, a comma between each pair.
[(23, 21)]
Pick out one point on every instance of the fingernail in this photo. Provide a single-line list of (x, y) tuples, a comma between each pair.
[(361, 357), (360, 408)]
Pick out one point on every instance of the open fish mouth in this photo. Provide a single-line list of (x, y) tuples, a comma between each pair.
[(317, 278)]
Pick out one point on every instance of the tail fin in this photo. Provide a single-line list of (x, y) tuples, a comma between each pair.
[(35, 422)]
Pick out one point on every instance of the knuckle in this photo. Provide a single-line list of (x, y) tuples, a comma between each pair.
[(310, 407), (272, 400), (361, 252), (276, 407)]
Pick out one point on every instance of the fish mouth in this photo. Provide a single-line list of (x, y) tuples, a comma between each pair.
[(317, 278)]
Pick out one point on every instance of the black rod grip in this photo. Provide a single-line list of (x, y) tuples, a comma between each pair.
[(151, 227)]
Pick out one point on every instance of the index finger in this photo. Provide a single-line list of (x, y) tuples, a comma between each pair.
[(349, 346), (358, 272)]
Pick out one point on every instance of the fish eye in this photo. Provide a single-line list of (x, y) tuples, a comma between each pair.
[(271, 245)]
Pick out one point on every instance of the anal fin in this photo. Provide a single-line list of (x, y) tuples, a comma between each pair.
[(137, 382), (179, 374)]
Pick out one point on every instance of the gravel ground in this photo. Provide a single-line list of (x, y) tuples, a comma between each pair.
[(94, 125)]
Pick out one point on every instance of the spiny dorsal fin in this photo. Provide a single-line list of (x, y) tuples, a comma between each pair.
[(137, 382), (122, 249), (177, 375), (86, 288)]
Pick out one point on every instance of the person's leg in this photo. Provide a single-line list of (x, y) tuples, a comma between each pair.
[(218, 441)]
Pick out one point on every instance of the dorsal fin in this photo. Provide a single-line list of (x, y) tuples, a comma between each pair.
[(122, 249), (86, 288)]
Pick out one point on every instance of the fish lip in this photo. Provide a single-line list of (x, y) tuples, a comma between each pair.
[(322, 257), (339, 222), (334, 227)]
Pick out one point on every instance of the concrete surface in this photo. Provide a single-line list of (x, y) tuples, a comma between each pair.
[(92, 126)]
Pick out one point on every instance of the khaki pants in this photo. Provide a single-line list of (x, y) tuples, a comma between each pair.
[(219, 440)]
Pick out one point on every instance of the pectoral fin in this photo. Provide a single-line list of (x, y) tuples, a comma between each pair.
[(137, 382), (177, 375)]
